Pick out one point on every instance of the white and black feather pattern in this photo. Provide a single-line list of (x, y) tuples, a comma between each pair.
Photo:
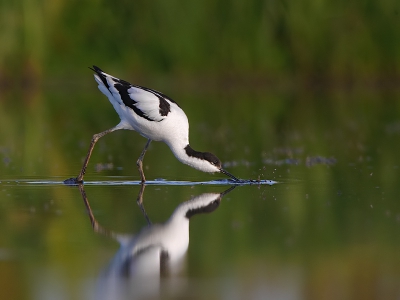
[(157, 118), (146, 103)]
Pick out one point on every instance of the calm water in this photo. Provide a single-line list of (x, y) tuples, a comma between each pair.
[(328, 229)]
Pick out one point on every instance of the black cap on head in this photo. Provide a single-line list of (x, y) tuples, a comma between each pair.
[(212, 159)]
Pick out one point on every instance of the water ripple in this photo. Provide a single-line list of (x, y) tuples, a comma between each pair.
[(149, 182)]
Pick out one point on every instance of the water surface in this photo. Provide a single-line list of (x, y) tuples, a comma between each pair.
[(326, 226)]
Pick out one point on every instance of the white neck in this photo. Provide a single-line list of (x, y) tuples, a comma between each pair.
[(199, 164)]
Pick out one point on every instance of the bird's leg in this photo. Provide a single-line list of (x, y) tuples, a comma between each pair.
[(139, 162), (96, 227), (139, 202), (95, 138)]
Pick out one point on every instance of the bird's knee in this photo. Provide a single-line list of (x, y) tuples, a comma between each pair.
[(95, 138)]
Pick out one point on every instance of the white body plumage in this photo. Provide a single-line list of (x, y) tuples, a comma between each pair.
[(156, 251), (156, 117), (172, 129)]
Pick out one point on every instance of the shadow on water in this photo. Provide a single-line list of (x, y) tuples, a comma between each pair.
[(149, 262)]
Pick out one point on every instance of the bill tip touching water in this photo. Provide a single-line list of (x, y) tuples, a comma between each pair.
[(156, 117)]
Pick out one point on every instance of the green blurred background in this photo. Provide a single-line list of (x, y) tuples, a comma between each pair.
[(260, 42), (269, 86)]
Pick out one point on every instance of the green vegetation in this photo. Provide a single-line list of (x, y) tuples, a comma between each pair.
[(266, 85), (340, 42)]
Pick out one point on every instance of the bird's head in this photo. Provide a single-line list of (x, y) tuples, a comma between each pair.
[(216, 165), (205, 161)]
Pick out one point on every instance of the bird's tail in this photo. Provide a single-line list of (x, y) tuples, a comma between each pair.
[(100, 75)]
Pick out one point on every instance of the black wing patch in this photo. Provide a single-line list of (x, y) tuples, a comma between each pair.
[(128, 101), (157, 93), (99, 72), (164, 106), (123, 86)]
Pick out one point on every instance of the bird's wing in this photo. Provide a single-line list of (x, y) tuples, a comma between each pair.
[(153, 104), (147, 103)]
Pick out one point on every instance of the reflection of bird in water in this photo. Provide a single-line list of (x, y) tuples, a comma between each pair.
[(156, 117), (156, 251)]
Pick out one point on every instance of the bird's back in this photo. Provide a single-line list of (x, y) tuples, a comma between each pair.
[(149, 112)]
